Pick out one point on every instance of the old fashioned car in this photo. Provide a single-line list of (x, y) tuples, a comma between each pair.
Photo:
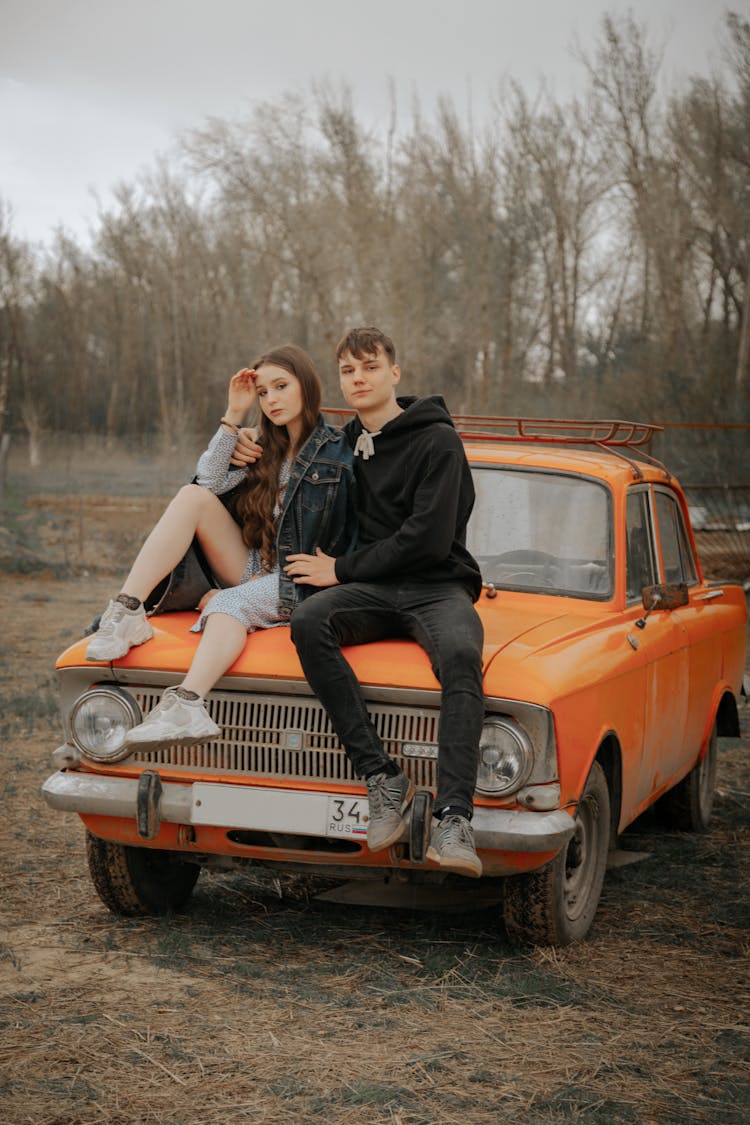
[(611, 667)]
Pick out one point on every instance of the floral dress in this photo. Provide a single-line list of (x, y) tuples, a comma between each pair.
[(255, 602)]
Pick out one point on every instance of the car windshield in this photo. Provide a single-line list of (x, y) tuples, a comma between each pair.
[(544, 532)]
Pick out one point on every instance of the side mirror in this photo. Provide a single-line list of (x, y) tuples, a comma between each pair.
[(671, 595)]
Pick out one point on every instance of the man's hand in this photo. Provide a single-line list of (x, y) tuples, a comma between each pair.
[(206, 599), (312, 570), (246, 451)]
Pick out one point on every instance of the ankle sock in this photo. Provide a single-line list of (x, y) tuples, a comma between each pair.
[(453, 810), (389, 768), (129, 602)]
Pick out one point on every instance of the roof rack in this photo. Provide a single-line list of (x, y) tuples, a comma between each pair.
[(608, 434), (558, 431)]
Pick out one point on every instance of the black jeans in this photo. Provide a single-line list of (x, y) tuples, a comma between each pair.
[(438, 616)]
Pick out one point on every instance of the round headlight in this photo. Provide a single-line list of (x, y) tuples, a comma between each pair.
[(505, 756), (99, 721)]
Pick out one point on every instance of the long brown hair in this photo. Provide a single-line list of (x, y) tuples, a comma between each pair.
[(257, 497)]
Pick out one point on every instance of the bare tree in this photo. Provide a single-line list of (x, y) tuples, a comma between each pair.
[(567, 179), (738, 51), (450, 209), (623, 75), (18, 298)]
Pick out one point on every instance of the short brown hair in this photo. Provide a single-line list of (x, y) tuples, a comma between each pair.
[(360, 342)]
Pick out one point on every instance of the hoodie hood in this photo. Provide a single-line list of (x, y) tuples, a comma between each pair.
[(417, 413)]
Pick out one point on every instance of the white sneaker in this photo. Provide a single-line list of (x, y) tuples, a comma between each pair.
[(119, 629), (173, 722)]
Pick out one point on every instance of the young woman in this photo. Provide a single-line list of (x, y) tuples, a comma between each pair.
[(296, 497)]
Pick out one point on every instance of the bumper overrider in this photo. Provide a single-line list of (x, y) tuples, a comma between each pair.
[(150, 801)]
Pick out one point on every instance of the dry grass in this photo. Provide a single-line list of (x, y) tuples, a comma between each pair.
[(264, 1005)]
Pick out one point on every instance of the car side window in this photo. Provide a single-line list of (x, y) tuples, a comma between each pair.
[(640, 563), (679, 564)]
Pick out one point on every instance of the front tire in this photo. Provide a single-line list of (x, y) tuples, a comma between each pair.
[(688, 806), (136, 881), (556, 904)]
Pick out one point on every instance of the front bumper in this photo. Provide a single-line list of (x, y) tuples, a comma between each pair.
[(274, 810)]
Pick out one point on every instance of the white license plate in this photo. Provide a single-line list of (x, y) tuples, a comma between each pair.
[(347, 816)]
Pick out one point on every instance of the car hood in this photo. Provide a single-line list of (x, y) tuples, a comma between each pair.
[(528, 623), (516, 625)]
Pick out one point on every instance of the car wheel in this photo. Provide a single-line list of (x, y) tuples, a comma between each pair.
[(556, 904), (688, 806), (135, 881)]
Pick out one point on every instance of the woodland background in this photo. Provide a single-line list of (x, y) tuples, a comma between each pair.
[(580, 259)]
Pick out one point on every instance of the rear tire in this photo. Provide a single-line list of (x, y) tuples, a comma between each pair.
[(688, 806), (556, 904), (135, 881)]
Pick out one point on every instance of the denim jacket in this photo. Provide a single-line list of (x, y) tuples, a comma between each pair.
[(318, 508)]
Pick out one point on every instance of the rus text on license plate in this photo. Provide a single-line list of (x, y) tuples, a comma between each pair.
[(347, 816)]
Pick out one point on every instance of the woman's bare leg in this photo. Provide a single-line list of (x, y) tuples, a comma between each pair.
[(181, 718), (193, 511), (222, 642)]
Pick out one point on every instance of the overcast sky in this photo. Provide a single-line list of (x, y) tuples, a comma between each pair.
[(91, 90)]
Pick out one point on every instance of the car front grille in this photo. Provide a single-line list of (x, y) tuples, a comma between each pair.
[(291, 737)]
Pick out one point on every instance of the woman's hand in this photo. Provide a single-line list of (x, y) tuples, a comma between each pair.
[(240, 396)]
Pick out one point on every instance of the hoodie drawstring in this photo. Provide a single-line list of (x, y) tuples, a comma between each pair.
[(365, 445)]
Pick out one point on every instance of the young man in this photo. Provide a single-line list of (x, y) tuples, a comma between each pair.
[(411, 576)]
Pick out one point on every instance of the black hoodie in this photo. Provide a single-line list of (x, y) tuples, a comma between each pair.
[(414, 498)]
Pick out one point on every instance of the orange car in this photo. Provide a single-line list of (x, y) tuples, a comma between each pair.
[(610, 668)]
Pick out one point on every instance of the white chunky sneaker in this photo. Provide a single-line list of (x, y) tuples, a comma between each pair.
[(119, 629), (452, 846), (173, 722)]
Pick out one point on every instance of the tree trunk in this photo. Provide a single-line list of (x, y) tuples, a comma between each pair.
[(4, 451), (4, 386), (742, 378)]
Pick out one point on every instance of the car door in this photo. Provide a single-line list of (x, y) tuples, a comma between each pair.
[(701, 619), (663, 653)]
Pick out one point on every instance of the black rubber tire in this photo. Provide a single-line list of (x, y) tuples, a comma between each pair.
[(688, 806), (137, 881), (556, 904)]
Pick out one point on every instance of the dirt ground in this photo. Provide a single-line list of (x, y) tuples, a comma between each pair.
[(266, 1004)]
